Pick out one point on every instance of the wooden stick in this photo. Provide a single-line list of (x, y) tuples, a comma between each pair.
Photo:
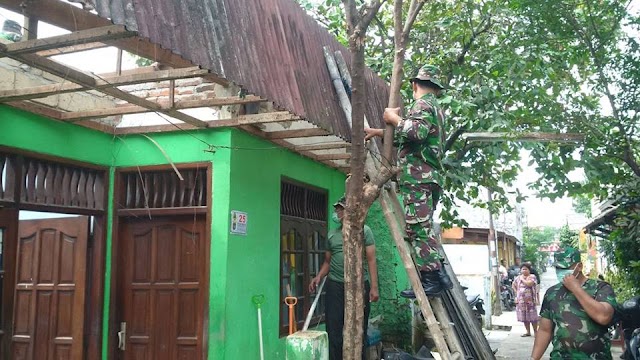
[(75, 38), (103, 81), (534, 137), (416, 285)]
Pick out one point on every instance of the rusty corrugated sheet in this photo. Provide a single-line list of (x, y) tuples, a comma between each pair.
[(272, 48)]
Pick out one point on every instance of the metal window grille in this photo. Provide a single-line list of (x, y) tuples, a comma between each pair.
[(303, 229)]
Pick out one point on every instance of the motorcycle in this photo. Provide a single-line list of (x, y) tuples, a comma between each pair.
[(507, 295), (477, 305), (630, 320)]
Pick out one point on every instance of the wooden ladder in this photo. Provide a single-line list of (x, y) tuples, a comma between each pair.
[(466, 341)]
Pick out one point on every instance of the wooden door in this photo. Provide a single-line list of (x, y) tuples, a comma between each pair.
[(163, 274), (48, 316), (8, 235)]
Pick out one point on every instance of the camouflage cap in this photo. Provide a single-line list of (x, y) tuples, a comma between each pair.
[(430, 73), (565, 258), (341, 202)]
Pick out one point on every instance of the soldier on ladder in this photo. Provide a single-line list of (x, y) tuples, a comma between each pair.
[(418, 138)]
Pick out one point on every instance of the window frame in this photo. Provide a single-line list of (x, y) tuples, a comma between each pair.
[(305, 227)]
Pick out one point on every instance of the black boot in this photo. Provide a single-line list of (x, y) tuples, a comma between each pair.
[(430, 283), (445, 280)]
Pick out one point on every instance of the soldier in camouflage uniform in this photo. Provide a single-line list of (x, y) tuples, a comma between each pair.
[(575, 313), (419, 139)]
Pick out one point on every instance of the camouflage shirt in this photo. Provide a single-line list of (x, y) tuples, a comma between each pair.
[(576, 336), (418, 138)]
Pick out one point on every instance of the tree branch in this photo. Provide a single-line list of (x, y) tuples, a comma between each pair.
[(414, 9), (452, 139), (484, 26), (369, 13), (350, 12), (630, 160), (467, 147)]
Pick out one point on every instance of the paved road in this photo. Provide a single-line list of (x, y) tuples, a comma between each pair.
[(510, 344)]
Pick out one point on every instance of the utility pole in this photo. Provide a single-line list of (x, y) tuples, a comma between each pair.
[(493, 266)]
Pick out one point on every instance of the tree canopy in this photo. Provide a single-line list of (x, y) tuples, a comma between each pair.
[(518, 67)]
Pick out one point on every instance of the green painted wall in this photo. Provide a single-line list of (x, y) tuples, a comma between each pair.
[(246, 176), (254, 260), (27, 131), (193, 147), (392, 278)]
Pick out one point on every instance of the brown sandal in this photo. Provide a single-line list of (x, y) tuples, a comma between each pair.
[(525, 335)]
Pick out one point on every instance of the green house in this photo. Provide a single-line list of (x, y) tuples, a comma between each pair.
[(182, 190)]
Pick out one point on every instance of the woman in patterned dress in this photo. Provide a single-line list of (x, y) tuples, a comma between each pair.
[(525, 287)]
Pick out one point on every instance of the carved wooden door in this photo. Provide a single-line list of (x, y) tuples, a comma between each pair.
[(162, 275), (48, 317)]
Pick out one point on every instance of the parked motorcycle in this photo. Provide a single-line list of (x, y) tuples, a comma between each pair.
[(477, 305), (507, 295), (630, 320)]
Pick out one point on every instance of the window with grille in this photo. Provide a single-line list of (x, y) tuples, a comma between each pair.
[(303, 232)]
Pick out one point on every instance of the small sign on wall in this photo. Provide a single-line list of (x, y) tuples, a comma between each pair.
[(238, 222)]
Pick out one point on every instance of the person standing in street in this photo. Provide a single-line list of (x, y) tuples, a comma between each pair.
[(526, 289), (419, 139), (533, 271), (575, 313), (502, 270), (333, 265)]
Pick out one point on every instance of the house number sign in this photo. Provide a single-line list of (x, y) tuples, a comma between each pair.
[(238, 222)]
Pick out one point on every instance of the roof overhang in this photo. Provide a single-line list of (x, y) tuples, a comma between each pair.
[(214, 102), (601, 225)]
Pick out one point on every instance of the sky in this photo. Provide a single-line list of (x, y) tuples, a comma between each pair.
[(538, 212), (543, 212)]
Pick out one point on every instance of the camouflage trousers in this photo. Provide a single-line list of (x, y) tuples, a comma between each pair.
[(420, 201)]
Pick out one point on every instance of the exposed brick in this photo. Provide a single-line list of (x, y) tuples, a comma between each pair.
[(188, 82), (155, 93), (142, 94), (205, 87), (187, 97), (185, 91)]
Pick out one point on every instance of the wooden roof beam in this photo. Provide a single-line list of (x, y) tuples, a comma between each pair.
[(75, 38), (165, 104), (287, 134), (328, 146), (533, 137), (265, 135), (69, 17), (342, 156), (100, 83), (242, 120), (36, 108), (55, 114), (72, 49), (91, 82)]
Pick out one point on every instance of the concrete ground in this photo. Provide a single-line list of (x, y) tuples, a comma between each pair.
[(510, 344)]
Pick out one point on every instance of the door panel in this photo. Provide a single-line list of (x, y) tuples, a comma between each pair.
[(163, 271), (50, 289), (8, 235)]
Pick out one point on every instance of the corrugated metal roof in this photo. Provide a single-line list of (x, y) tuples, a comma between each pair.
[(271, 48)]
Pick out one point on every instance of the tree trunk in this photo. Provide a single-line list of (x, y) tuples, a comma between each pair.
[(401, 34), (352, 229)]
